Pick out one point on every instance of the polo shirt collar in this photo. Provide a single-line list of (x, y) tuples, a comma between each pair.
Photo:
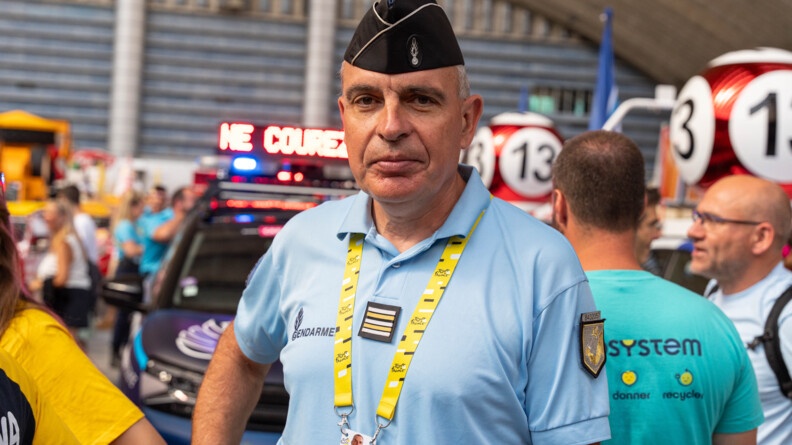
[(473, 200)]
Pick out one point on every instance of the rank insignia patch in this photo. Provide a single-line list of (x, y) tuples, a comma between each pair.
[(592, 342), (380, 322)]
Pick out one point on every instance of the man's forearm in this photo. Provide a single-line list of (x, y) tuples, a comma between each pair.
[(744, 438), (228, 394), (167, 230)]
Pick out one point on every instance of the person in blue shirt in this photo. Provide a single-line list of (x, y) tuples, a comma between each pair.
[(421, 309), (154, 215), (128, 245), (677, 370), (159, 225), (739, 229), (127, 237)]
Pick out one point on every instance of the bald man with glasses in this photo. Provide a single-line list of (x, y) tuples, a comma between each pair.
[(739, 229)]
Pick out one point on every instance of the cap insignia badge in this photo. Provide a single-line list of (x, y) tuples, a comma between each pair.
[(415, 52)]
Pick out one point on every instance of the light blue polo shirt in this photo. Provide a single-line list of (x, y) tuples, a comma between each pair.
[(153, 251), (500, 359), (749, 309)]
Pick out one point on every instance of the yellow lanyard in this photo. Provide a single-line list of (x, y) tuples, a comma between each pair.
[(413, 332)]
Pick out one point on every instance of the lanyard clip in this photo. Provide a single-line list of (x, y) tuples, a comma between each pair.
[(344, 422), (379, 429)]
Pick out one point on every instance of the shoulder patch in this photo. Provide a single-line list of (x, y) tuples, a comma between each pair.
[(592, 342)]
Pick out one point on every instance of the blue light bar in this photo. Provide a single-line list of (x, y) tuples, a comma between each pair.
[(244, 164)]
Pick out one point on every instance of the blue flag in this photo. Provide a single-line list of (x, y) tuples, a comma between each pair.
[(606, 95), (523, 105)]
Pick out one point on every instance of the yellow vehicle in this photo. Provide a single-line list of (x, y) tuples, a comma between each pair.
[(33, 156), (30, 145)]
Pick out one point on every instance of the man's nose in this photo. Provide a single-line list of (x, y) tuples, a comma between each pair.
[(696, 230), (394, 123)]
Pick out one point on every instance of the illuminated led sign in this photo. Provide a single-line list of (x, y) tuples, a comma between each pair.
[(240, 137)]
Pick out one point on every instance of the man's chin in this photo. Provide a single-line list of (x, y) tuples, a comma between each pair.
[(392, 199), (393, 191), (698, 268)]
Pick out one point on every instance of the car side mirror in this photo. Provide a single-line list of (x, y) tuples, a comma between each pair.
[(125, 292)]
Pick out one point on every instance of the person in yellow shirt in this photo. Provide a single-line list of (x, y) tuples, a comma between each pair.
[(89, 404), (25, 416)]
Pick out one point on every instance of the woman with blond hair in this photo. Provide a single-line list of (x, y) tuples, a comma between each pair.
[(88, 403), (63, 274)]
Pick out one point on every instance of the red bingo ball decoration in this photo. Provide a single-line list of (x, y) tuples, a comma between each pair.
[(514, 155), (736, 118)]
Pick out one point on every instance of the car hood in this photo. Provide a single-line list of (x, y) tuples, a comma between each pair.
[(185, 339)]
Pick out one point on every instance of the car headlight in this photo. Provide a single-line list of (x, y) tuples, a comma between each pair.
[(164, 384)]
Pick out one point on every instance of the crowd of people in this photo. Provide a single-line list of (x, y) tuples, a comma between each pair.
[(141, 232), (454, 317), (45, 371), (67, 276), (516, 350), (53, 393), (684, 345)]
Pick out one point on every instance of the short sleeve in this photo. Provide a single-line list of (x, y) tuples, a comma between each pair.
[(260, 330), (148, 224), (93, 408), (565, 404), (49, 428), (125, 231), (743, 411)]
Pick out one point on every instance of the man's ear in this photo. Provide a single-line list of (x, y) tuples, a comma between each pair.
[(560, 210), (762, 238), (472, 109), (341, 108)]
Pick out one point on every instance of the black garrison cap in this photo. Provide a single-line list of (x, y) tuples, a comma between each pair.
[(401, 36)]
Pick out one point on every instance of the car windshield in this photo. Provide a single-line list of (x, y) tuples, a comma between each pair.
[(218, 262)]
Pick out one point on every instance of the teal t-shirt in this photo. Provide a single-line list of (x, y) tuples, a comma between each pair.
[(153, 251), (677, 370)]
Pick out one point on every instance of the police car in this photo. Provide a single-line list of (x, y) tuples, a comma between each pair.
[(195, 293)]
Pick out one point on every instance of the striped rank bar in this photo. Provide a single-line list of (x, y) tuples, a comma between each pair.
[(380, 322)]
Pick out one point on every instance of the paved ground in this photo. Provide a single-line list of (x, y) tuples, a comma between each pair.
[(99, 352)]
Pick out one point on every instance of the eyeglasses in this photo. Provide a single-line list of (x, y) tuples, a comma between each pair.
[(708, 218)]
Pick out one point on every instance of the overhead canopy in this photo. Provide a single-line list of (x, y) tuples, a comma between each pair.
[(22, 120), (672, 40), (21, 127)]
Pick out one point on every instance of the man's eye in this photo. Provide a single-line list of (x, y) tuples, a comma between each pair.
[(364, 100), (424, 100)]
